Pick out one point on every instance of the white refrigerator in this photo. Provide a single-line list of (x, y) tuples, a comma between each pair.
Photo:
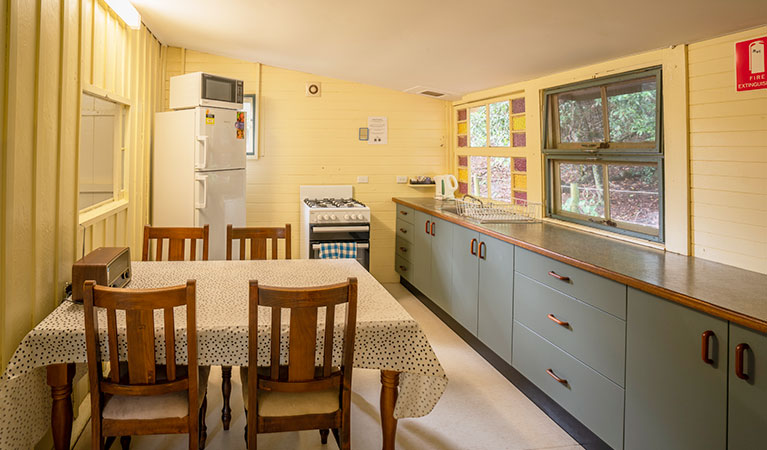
[(198, 172)]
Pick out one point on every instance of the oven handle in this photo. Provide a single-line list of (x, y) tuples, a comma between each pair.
[(340, 229), (360, 245)]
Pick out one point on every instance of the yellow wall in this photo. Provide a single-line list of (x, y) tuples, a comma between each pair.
[(314, 141), (715, 143), (40, 86), (728, 157)]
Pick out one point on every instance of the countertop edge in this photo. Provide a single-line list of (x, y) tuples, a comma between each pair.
[(677, 297)]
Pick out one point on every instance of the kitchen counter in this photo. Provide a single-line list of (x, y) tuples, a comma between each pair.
[(723, 291)]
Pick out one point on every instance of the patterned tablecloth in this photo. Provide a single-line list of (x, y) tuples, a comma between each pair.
[(387, 337)]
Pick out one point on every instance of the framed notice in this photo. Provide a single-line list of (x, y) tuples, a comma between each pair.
[(378, 130)]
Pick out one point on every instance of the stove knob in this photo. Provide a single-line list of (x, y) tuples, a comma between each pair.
[(333, 217), (346, 217), (325, 217), (360, 217)]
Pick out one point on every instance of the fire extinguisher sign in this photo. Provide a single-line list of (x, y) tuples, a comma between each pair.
[(751, 64)]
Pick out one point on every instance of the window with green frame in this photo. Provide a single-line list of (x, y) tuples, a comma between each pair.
[(604, 154)]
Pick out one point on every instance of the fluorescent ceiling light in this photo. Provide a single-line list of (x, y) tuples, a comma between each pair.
[(127, 12)]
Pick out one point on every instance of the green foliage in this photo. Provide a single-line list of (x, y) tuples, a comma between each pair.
[(500, 129), (478, 126)]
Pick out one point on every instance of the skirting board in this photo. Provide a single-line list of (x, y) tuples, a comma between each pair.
[(559, 415)]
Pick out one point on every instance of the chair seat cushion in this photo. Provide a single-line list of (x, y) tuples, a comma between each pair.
[(282, 404), (173, 404)]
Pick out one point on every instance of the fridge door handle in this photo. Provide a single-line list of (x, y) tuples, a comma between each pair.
[(204, 180), (203, 151)]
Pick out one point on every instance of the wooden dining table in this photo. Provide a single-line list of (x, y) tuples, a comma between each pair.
[(36, 387)]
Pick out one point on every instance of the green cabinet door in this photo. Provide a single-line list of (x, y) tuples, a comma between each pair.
[(465, 285), (421, 258), (747, 419), (674, 400), (496, 285), (441, 266)]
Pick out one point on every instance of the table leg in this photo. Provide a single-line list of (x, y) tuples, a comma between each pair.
[(226, 392), (389, 384), (60, 380)]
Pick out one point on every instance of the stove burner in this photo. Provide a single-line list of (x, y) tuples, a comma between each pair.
[(333, 203)]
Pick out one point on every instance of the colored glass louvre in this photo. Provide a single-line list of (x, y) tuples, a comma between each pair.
[(520, 197), (463, 175), (462, 128), (463, 188), (520, 164), (462, 114), (462, 141), (518, 123), (463, 161), (520, 181), (519, 139), (518, 105)]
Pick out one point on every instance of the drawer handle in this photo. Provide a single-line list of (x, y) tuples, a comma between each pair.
[(404, 249), (404, 213), (482, 255), (739, 350), (559, 277), (427, 226), (554, 376), (404, 231), (557, 321), (432, 228), (403, 268), (473, 250), (705, 338)]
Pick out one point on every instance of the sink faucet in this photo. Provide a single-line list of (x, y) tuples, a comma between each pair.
[(473, 198)]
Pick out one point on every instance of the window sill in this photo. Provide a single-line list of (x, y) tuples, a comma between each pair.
[(621, 237), (92, 216)]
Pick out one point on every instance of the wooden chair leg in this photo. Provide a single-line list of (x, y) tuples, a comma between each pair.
[(125, 442), (324, 436), (202, 425), (226, 392)]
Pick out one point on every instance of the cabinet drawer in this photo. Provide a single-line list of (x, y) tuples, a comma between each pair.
[(405, 213), (593, 399), (594, 337), (403, 267), (607, 295), (404, 248), (405, 230)]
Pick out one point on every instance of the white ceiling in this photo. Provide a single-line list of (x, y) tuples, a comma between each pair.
[(448, 45)]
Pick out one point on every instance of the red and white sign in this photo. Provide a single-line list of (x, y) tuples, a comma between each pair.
[(751, 64)]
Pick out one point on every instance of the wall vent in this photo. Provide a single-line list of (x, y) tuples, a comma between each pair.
[(431, 93)]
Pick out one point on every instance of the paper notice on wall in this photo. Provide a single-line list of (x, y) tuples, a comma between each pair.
[(378, 130)]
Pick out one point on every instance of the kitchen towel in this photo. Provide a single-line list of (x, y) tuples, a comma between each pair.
[(338, 250)]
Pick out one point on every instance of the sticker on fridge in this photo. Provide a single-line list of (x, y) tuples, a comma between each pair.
[(239, 124), (210, 118)]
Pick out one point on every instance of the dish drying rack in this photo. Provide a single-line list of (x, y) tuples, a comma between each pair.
[(518, 212)]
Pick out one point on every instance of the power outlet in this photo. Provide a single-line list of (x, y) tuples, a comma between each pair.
[(362, 179), (401, 180)]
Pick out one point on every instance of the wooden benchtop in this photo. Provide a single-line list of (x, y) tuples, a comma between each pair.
[(724, 291)]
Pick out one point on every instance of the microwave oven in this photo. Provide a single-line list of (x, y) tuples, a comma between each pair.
[(203, 89)]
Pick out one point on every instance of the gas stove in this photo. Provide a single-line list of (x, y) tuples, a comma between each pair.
[(331, 214)]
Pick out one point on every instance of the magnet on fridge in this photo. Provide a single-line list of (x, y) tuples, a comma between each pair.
[(210, 118)]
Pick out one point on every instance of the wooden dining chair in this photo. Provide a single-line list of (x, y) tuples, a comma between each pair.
[(258, 238), (300, 395), (138, 396), (176, 237)]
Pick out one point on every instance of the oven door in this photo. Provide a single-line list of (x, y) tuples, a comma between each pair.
[(363, 253), (343, 232)]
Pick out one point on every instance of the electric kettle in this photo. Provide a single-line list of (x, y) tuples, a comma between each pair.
[(445, 187)]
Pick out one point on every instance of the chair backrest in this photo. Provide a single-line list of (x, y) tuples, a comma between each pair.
[(177, 238), (258, 238), (301, 373), (140, 378)]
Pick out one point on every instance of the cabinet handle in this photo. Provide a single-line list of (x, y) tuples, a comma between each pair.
[(403, 230), (554, 376), (432, 228), (404, 213), (404, 249), (473, 243), (559, 277), (705, 338), (739, 350), (482, 255), (427, 226), (554, 319), (403, 268)]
